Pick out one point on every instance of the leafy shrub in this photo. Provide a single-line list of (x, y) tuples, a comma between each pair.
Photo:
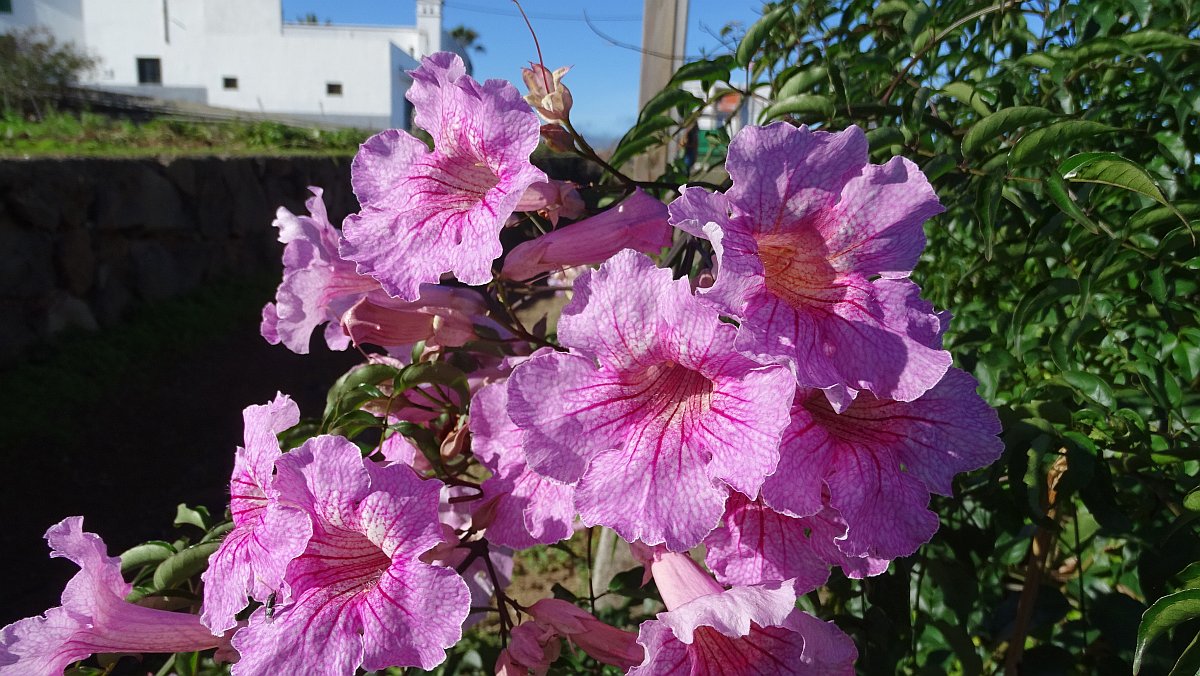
[(1061, 138)]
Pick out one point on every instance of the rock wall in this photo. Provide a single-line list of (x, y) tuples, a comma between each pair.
[(84, 240)]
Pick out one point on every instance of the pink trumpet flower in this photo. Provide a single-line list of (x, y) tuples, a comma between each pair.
[(756, 544), (754, 629), (547, 94), (639, 222), (266, 534), (603, 642), (811, 244), (360, 595), (318, 286), (426, 212), (441, 316), (524, 507), (877, 462), (552, 199), (94, 617), (653, 412)]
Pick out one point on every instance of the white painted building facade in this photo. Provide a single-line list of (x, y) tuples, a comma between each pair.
[(242, 55)]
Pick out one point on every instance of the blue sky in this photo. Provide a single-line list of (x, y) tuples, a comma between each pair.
[(604, 80)]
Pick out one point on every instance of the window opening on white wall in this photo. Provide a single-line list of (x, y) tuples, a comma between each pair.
[(149, 70), (229, 82), (333, 88)]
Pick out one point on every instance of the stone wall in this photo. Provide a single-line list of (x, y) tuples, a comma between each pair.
[(82, 241)]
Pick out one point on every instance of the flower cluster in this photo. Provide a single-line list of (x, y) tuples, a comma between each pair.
[(792, 413)]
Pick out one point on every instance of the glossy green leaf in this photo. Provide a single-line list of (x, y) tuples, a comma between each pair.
[(884, 137), (1093, 387), (999, 123), (184, 565), (1151, 40), (369, 374), (1037, 145), (1191, 501), (707, 70), (1160, 617), (670, 99), (144, 554), (1188, 663), (758, 33), (1112, 170), (196, 516), (433, 373), (800, 104), (801, 82), (1056, 190), (968, 95)]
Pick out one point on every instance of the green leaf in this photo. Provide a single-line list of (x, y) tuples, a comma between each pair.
[(141, 555), (217, 532), (1188, 663), (889, 8), (883, 137), (937, 166), (433, 373), (1036, 145), (640, 137), (968, 95), (627, 151), (1000, 123), (1113, 170), (195, 516), (800, 104), (1165, 613), (757, 34), (707, 70), (1056, 190), (184, 565), (1038, 60), (1092, 387), (370, 374), (1152, 217), (670, 99), (1038, 299), (1150, 40), (801, 81), (1191, 501)]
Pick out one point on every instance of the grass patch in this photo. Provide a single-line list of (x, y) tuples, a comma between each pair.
[(62, 134)]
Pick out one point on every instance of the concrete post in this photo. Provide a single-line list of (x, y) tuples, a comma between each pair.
[(664, 36)]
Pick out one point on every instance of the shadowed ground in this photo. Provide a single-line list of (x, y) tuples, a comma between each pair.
[(123, 425)]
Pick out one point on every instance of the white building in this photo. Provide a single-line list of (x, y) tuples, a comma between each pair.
[(242, 55)]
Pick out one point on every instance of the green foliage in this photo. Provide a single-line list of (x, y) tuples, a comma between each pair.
[(35, 68), (89, 134), (1061, 138)]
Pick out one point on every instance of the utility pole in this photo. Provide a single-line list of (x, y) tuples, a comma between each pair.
[(664, 36)]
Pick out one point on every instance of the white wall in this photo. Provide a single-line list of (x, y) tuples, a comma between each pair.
[(120, 33), (62, 17), (280, 68)]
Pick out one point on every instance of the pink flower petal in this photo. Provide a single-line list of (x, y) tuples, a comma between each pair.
[(668, 418), (266, 535), (94, 616), (745, 630), (318, 286), (800, 239), (361, 594), (879, 459), (639, 222), (756, 544), (426, 213)]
